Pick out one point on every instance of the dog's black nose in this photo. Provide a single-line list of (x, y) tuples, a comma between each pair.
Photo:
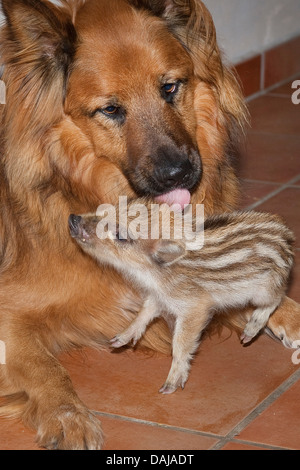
[(74, 221), (169, 176)]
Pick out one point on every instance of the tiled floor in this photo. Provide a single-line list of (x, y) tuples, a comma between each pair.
[(237, 398)]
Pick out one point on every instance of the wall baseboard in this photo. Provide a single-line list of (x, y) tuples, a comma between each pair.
[(273, 66)]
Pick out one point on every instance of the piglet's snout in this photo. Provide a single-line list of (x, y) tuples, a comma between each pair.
[(74, 225)]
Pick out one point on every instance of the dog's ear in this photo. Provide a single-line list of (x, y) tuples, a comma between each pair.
[(39, 35), (192, 24), (38, 44), (190, 20), (158, 7), (167, 252)]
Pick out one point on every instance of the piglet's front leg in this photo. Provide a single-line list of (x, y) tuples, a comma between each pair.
[(138, 326)]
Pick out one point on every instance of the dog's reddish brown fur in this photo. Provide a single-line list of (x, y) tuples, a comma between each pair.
[(62, 156)]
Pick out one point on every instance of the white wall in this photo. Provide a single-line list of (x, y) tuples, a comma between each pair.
[(246, 27)]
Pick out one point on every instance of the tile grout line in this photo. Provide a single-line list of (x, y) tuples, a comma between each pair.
[(269, 400), (280, 95), (274, 193), (252, 131), (285, 81), (287, 383), (262, 70), (265, 91), (154, 424), (260, 444), (222, 440), (249, 180), (258, 410)]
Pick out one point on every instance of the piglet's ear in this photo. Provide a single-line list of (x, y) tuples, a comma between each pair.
[(167, 252)]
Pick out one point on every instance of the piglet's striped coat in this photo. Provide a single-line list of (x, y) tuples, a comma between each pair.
[(246, 259)]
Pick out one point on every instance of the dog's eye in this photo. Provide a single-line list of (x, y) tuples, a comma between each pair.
[(168, 91), (116, 113), (170, 88), (110, 110)]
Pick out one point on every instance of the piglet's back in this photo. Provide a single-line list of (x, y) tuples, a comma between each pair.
[(241, 245)]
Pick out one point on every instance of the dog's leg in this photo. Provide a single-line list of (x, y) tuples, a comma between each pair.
[(188, 329), (53, 408), (284, 323), (138, 326)]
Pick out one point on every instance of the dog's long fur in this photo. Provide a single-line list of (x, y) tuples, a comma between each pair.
[(63, 154)]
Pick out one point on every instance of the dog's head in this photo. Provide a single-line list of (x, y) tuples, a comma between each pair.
[(130, 95), (138, 107)]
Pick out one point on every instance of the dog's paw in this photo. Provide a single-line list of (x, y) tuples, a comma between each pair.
[(70, 428)]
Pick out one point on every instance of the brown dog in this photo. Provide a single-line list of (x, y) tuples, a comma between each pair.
[(104, 98)]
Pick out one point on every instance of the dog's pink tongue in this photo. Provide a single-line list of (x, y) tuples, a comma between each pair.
[(177, 196)]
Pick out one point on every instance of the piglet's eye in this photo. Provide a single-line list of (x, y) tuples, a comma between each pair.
[(121, 238)]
